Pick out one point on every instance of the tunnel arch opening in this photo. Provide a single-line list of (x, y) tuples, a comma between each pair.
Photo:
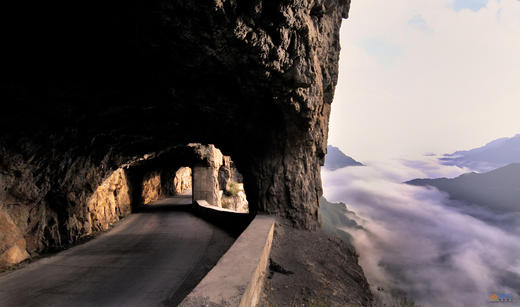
[(195, 170), (169, 73)]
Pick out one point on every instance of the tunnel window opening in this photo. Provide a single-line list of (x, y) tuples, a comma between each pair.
[(217, 181), (231, 184), (196, 173), (182, 182)]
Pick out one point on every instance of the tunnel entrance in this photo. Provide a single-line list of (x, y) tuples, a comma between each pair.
[(196, 170), (220, 185)]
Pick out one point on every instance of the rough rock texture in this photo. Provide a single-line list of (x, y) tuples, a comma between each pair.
[(213, 180), (236, 203), (12, 243), (228, 172), (313, 269), (205, 175), (54, 204), (205, 185), (230, 182), (151, 187), (110, 202), (182, 180), (234, 197), (88, 88), (60, 219)]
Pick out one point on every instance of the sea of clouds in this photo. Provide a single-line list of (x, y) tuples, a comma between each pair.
[(415, 239)]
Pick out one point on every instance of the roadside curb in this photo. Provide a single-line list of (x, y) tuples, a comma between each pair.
[(237, 279)]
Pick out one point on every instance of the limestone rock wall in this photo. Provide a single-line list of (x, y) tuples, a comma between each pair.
[(12, 243), (205, 185), (234, 197), (228, 173), (225, 173), (151, 187), (38, 214), (255, 78), (110, 202), (182, 180)]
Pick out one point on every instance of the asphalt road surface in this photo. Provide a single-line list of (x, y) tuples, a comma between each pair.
[(152, 258)]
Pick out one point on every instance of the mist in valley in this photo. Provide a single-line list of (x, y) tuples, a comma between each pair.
[(416, 241)]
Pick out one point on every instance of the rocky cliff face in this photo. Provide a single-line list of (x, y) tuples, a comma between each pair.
[(91, 87), (12, 242), (151, 187)]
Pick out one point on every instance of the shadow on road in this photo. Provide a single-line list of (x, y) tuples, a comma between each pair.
[(153, 257), (233, 223)]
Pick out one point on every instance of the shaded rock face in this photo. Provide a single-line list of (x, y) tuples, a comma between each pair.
[(225, 173), (89, 88), (228, 172)]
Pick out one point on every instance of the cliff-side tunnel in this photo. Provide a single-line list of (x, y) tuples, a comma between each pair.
[(87, 88)]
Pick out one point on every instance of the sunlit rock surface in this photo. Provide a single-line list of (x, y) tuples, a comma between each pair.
[(151, 187), (12, 243), (182, 180), (234, 197), (109, 203)]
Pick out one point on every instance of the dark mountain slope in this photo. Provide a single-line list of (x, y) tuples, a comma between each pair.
[(336, 159), (498, 190), (493, 155)]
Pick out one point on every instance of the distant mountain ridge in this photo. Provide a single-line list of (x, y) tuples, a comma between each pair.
[(497, 190), (336, 159), (493, 155)]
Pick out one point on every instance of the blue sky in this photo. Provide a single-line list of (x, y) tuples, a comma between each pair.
[(382, 50), (421, 76), (473, 5), (419, 23), (379, 47)]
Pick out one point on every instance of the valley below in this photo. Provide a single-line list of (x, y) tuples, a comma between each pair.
[(435, 241)]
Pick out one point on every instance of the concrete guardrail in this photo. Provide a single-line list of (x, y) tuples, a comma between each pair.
[(237, 279)]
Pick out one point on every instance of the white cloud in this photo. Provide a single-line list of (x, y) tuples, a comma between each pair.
[(452, 87), (415, 239)]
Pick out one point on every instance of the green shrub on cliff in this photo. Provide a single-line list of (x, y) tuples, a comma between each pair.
[(232, 188)]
